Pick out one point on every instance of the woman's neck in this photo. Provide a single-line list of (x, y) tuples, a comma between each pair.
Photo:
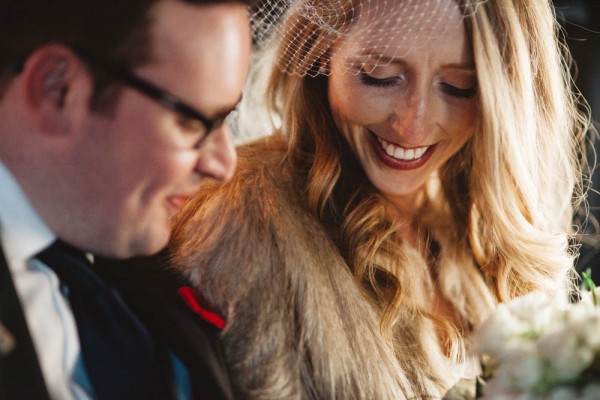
[(405, 210)]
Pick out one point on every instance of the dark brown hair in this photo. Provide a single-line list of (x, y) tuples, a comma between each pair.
[(118, 31)]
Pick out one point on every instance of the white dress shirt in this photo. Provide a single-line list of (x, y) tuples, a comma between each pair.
[(48, 315)]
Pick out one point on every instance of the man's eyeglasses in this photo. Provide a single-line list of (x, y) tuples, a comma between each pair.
[(151, 91)]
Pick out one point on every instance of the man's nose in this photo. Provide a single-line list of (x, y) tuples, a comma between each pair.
[(218, 157)]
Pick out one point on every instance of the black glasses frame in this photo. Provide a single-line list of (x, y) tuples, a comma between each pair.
[(147, 89), (153, 92)]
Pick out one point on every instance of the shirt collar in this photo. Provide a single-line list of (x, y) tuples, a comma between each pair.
[(23, 232)]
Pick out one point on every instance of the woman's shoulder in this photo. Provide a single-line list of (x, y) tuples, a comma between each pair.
[(232, 239), (266, 153)]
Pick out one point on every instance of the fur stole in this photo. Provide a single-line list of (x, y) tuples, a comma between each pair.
[(298, 326)]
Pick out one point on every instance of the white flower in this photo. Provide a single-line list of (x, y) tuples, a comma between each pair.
[(537, 348), (591, 392), (585, 320), (565, 353), (536, 310), (501, 330), (562, 393), (588, 298), (520, 368)]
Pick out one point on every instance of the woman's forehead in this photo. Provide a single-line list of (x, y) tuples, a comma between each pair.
[(386, 32), (392, 28), (391, 23)]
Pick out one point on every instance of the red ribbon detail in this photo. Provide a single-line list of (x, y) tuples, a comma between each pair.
[(193, 299)]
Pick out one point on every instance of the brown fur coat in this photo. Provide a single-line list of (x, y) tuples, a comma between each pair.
[(298, 325)]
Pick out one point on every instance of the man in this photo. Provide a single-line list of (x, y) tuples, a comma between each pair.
[(110, 115)]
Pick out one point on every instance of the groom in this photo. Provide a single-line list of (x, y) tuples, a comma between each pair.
[(111, 113)]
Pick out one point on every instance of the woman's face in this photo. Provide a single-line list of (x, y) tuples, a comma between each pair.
[(404, 118)]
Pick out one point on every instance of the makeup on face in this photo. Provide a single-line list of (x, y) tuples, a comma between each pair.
[(404, 104)]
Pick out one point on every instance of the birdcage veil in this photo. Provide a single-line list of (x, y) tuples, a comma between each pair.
[(300, 37), (381, 30)]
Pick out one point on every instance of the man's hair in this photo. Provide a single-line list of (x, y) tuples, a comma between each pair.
[(117, 31)]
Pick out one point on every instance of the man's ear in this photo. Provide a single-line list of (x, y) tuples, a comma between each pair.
[(56, 87)]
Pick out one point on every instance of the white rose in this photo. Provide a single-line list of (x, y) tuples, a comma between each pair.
[(494, 391), (524, 306), (497, 330), (591, 392), (536, 310), (586, 296), (526, 396), (588, 329), (562, 393), (567, 356), (520, 369), (579, 313)]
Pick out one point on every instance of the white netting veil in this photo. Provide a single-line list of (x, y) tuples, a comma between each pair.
[(379, 30), (302, 37)]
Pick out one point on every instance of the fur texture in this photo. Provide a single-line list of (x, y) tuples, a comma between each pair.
[(298, 325)]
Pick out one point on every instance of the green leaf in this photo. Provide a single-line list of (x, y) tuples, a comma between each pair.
[(587, 283)]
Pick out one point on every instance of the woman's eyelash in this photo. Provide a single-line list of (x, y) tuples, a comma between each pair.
[(367, 79), (450, 90), (458, 92)]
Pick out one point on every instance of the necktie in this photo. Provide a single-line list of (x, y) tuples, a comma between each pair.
[(120, 356)]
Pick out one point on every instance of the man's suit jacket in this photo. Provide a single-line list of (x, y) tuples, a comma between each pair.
[(151, 293)]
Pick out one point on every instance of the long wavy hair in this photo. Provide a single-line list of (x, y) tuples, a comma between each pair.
[(498, 214), (348, 308)]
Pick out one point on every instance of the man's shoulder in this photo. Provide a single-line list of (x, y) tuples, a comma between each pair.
[(145, 275), (151, 289), (153, 292)]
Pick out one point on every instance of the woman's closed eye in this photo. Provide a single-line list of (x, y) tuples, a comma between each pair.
[(370, 80), (461, 93)]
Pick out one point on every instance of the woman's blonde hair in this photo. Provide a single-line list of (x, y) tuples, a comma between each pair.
[(501, 209), (333, 303), (526, 174)]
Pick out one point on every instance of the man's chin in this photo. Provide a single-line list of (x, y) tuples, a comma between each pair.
[(147, 243)]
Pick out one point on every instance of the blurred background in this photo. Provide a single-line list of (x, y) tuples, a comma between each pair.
[(581, 22)]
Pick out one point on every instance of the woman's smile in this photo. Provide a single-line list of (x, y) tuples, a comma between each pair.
[(398, 157), (405, 118)]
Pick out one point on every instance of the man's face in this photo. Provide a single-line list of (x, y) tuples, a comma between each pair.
[(138, 165)]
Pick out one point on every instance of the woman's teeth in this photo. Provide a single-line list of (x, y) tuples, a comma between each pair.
[(400, 153)]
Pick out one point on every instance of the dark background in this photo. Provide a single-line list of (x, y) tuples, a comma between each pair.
[(581, 22)]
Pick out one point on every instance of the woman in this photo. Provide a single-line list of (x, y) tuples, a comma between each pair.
[(424, 170)]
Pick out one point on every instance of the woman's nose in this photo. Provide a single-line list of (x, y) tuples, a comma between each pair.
[(411, 117)]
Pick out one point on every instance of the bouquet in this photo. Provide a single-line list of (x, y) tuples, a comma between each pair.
[(533, 348)]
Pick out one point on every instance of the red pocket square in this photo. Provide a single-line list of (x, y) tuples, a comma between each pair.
[(194, 301)]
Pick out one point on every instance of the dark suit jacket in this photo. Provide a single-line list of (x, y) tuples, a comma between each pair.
[(151, 292)]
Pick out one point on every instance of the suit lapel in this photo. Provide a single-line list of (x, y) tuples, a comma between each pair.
[(20, 373), (194, 342), (151, 291)]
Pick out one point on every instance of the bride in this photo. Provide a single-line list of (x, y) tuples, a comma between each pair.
[(425, 169)]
